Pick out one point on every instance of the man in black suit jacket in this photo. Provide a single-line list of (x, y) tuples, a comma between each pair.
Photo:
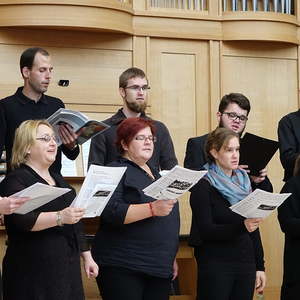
[(232, 114)]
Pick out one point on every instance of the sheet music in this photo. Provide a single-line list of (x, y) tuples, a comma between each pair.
[(97, 188), (259, 204), (174, 183), (39, 195)]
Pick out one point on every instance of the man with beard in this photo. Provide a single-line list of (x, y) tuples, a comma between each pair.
[(29, 103), (133, 88), (232, 114)]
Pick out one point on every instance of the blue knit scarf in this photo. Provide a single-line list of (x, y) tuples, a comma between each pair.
[(234, 188)]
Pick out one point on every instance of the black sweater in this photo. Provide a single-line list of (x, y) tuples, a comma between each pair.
[(220, 234), (149, 245)]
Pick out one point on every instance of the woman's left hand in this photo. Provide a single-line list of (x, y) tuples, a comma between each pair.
[(260, 281), (90, 266), (175, 269)]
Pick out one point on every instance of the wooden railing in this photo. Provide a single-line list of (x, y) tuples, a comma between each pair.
[(180, 4), (278, 6), (125, 1)]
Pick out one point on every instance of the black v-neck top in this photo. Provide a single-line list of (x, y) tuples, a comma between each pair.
[(19, 227)]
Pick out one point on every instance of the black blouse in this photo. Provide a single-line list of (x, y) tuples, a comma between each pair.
[(149, 245), (19, 226)]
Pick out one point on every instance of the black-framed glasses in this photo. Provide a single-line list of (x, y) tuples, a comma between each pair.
[(142, 137), (47, 138), (138, 88), (234, 116)]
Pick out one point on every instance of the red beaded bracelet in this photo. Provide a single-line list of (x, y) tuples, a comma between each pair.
[(151, 209)]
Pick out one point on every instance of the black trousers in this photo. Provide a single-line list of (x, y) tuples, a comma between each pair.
[(116, 283), (225, 281)]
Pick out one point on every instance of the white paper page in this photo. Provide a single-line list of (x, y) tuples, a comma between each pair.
[(259, 204), (40, 194), (100, 197), (68, 167), (174, 183), (85, 150), (98, 177)]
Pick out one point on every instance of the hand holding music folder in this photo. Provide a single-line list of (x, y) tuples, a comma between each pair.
[(256, 152)]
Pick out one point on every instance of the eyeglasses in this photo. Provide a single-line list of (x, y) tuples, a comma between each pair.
[(47, 138), (138, 88), (142, 137), (233, 116)]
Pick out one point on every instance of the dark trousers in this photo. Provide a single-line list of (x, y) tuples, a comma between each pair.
[(116, 283), (290, 290), (224, 281)]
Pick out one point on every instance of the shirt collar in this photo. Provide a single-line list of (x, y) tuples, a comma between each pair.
[(24, 99), (119, 116)]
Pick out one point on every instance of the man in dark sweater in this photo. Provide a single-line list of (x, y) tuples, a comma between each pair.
[(133, 88), (232, 114), (30, 102), (289, 142)]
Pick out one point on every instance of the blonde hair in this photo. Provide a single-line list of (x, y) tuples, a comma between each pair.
[(25, 137)]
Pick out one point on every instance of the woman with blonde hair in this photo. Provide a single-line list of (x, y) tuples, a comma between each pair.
[(42, 260)]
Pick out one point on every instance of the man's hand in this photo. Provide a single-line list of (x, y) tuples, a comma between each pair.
[(261, 177), (255, 179), (67, 135)]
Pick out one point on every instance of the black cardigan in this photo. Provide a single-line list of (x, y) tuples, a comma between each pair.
[(218, 233)]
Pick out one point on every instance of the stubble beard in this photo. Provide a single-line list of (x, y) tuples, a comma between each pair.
[(37, 89)]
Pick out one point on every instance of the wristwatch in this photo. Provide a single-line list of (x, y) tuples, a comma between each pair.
[(59, 219)]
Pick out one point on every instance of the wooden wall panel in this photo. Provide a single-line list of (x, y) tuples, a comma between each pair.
[(93, 74), (268, 76), (93, 69), (178, 73)]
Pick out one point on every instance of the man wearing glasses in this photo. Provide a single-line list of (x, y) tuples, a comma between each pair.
[(133, 88), (232, 114)]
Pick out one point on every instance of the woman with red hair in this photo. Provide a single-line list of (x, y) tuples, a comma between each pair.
[(137, 240)]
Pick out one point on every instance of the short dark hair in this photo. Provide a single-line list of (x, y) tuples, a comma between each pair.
[(27, 57), (128, 128), (130, 73), (217, 139), (241, 100)]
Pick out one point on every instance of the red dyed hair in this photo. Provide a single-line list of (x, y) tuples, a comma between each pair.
[(128, 128)]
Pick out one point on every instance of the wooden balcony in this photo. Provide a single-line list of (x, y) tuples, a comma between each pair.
[(265, 20)]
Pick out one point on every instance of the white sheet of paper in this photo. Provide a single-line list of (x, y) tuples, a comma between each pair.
[(40, 194), (259, 204), (174, 183), (97, 188)]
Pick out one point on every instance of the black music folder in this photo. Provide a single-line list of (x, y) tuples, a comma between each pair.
[(256, 152)]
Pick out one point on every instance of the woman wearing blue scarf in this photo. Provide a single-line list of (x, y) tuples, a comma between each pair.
[(227, 246)]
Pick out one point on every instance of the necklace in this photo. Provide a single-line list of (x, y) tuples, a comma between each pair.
[(46, 177)]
